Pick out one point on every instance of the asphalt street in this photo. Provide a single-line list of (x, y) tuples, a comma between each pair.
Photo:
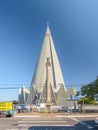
[(57, 122)]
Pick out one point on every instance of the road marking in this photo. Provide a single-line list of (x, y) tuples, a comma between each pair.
[(77, 116), (74, 119), (26, 116), (42, 125), (22, 125), (37, 121), (32, 123), (14, 129), (82, 123)]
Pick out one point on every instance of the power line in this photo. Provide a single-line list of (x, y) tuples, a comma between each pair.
[(16, 86), (21, 84), (9, 88)]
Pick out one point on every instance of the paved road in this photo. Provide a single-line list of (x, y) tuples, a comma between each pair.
[(47, 123)]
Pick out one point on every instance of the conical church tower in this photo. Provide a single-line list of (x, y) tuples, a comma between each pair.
[(38, 84)]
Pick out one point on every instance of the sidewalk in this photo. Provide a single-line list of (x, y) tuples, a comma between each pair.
[(59, 114)]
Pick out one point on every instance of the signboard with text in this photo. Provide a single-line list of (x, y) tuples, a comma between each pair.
[(6, 106)]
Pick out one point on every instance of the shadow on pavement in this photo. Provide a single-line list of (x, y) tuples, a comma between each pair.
[(86, 125), (83, 125), (50, 128)]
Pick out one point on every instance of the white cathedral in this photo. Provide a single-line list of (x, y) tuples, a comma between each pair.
[(48, 83)]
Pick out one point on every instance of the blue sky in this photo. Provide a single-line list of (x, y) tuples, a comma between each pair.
[(74, 28)]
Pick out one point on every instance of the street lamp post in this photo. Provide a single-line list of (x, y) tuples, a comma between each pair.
[(83, 105), (71, 104)]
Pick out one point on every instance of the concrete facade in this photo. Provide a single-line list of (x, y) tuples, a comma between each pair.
[(38, 88)]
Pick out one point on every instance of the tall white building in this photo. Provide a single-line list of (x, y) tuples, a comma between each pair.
[(38, 84), (23, 95)]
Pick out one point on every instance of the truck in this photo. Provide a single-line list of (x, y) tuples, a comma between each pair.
[(6, 109)]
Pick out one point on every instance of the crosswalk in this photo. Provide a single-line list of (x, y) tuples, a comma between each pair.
[(28, 122), (37, 121), (46, 123)]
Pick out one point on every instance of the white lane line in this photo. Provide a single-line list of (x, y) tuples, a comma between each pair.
[(37, 121), (26, 116), (22, 125), (13, 129), (57, 116), (72, 118), (78, 116), (43, 125)]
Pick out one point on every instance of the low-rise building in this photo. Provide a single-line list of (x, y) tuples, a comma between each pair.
[(23, 95)]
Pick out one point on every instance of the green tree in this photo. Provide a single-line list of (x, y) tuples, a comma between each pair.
[(86, 100), (15, 102), (91, 90)]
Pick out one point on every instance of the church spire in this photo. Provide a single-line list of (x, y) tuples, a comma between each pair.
[(56, 76), (48, 33)]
